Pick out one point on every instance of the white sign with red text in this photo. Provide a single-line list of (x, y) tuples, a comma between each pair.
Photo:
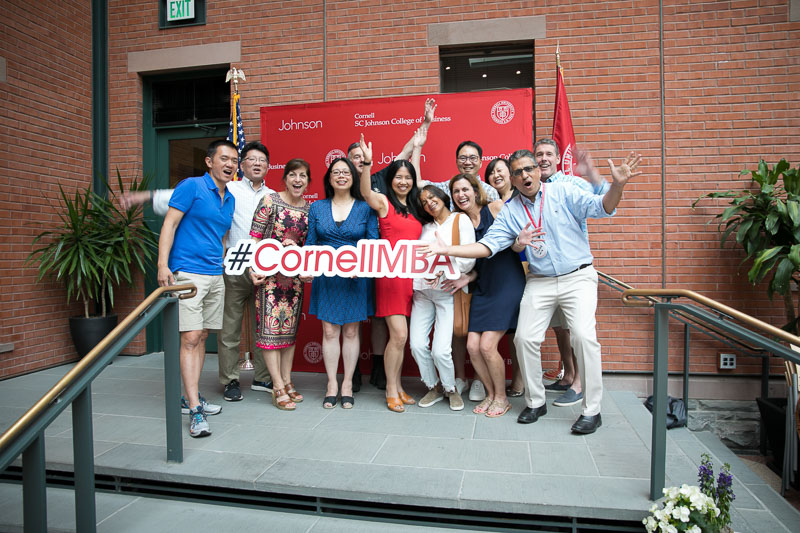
[(369, 258)]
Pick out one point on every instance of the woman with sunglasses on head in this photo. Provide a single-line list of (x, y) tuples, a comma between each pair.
[(499, 282), (341, 303), (400, 217), (282, 216)]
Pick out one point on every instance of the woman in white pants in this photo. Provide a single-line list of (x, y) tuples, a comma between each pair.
[(431, 305)]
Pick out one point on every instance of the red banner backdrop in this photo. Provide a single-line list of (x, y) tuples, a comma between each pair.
[(500, 121)]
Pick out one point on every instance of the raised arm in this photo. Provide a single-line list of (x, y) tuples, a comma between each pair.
[(619, 178), (375, 200), (407, 151), (475, 250)]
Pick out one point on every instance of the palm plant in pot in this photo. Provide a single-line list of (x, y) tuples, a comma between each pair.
[(96, 247)]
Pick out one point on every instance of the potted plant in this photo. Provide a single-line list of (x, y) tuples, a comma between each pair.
[(96, 247), (766, 223)]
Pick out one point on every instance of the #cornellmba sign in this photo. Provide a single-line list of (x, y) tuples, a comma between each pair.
[(370, 258)]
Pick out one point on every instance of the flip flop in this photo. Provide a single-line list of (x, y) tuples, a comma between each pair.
[(497, 409), (511, 393), (482, 407), (329, 402), (347, 402)]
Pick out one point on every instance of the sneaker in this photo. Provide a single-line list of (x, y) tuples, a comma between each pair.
[(431, 398), (198, 425), (568, 398), (263, 386), (477, 392), (456, 403), (208, 408), (461, 384), (233, 393)]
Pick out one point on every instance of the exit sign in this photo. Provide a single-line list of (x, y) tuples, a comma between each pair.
[(180, 10)]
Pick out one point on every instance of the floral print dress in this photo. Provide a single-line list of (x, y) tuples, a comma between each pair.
[(279, 301)]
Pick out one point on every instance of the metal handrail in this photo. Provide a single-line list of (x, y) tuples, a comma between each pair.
[(758, 334), (56, 390), (629, 295)]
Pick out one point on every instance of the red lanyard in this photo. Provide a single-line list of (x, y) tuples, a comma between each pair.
[(541, 207)]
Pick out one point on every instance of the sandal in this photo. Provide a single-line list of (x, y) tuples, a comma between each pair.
[(293, 394), (394, 404), (329, 402), (283, 405), (511, 393), (482, 407), (497, 409), (347, 402), (406, 399)]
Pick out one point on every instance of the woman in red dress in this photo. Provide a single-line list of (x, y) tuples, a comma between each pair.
[(400, 217)]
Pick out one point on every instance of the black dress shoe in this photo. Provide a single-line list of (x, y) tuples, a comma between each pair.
[(587, 424), (529, 415), (558, 387)]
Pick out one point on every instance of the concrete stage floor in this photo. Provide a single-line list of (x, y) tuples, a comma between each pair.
[(433, 459)]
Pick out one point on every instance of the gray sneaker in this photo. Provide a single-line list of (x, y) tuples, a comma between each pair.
[(456, 403), (568, 398), (208, 408), (198, 425), (433, 396), (477, 392)]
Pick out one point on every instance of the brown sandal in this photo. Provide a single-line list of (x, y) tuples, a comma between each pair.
[(293, 394), (497, 409), (482, 407), (283, 405)]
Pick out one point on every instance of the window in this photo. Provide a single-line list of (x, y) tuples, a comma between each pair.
[(192, 101), (487, 67)]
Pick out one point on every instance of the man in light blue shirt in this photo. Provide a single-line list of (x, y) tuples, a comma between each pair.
[(547, 156), (545, 221)]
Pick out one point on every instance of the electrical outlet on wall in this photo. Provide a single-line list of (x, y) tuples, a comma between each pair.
[(727, 361)]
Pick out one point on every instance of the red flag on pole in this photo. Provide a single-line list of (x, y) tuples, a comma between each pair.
[(563, 134)]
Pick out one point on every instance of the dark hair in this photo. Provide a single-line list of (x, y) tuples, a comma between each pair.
[(492, 164), (470, 143), (438, 193), (294, 164), (519, 154), (355, 188), (546, 140), (412, 200), (212, 148), (353, 146), (480, 194), (255, 145)]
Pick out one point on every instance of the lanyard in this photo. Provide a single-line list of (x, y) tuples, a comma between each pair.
[(541, 207)]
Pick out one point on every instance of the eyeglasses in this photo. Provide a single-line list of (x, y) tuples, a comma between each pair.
[(337, 173), (528, 170), (225, 159), (254, 160), (470, 158)]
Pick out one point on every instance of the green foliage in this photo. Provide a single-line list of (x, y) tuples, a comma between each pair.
[(766, 223), (97, 246)]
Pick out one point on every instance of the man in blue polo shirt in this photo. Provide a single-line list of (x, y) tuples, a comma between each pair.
[(190, 250)]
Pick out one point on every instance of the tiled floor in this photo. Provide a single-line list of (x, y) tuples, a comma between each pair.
[(432, 457)]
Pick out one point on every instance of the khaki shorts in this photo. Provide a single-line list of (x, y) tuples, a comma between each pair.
[(204, 311), (558, 320)]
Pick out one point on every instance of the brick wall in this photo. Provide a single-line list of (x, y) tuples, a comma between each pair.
[(45, 128), (730, 72)]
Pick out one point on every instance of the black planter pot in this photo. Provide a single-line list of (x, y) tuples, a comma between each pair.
[(87, 332)]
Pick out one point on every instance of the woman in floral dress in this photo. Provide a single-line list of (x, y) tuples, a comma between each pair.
[(282, 216)]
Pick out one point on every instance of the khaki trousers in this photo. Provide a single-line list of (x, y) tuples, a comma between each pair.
[(576, 294), (239, 295)]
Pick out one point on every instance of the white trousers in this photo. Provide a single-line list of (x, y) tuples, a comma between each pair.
[(431, 306), (576, 294)]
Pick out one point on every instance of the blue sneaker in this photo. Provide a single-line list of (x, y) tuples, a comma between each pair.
[(568, 398), (198, 425), (208, 408)]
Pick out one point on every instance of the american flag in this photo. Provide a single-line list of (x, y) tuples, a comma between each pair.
[(236, 134)]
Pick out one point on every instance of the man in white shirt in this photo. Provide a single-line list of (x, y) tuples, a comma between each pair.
[(239, 290)]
